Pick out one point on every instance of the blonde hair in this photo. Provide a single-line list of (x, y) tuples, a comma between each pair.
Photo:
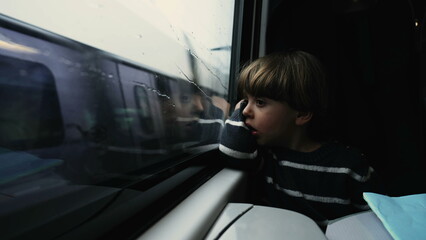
[(295, 77)]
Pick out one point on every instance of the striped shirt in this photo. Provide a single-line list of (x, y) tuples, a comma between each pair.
[(324, 184)]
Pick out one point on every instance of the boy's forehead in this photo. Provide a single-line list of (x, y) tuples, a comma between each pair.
[(258, 90), (248, 95)]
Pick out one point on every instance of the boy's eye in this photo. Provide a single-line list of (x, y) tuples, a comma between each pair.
[(260, 102)]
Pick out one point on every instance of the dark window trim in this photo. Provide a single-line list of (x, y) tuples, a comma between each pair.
[(245, 42)]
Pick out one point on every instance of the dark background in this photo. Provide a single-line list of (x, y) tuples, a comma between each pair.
[(373, 52)]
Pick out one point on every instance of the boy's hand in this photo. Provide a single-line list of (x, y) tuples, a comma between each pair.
[(238, 105), (241, 104), (237, 144)]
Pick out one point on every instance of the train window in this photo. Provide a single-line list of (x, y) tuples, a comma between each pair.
[(159, 85), (109, 96)]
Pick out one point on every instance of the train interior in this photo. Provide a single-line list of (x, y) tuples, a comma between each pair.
[(373, 52), (97, 145)]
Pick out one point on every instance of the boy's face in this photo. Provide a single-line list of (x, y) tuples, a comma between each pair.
[(272, 122)]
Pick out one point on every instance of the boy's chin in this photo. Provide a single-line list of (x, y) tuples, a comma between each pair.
[(266, 143), (261, 142)]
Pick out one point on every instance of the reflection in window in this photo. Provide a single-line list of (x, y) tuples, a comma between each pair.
[(30, 119), (146, 97), (144, 110), (29, 109)]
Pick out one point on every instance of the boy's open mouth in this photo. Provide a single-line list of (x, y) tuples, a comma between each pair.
[(252, 130)]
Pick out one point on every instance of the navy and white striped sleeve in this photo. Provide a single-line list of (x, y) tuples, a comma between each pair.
[(237, 143)]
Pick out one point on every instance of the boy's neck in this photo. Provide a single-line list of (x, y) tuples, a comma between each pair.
[(306, 147), (302, 143)]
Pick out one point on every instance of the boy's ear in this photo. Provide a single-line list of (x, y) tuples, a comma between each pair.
[(303, 118)]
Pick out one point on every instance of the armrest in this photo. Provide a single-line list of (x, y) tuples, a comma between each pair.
[(193, 218)]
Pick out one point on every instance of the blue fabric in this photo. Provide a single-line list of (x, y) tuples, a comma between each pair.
[(404, 217)]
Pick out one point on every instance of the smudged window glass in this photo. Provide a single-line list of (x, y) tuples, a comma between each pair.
[(110, 91)]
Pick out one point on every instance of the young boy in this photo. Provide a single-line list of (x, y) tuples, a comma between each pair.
[(273, 129)]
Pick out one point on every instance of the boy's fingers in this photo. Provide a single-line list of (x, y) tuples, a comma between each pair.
[(239, 104)]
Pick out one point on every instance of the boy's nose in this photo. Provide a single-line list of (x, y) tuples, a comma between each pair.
[(247, 112)]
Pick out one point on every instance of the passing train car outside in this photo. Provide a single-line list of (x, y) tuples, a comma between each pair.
[(111, 112)]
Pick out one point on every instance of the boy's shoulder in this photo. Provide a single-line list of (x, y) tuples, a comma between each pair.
[(345, 148), (346, 155)]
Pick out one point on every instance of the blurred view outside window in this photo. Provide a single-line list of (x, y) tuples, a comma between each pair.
[(107, 90)]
